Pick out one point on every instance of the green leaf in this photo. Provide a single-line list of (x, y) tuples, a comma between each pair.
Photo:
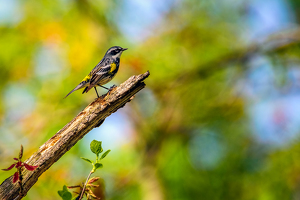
[(87, 160), (97, 166), (65, 194), (105, 154), (96, 147)]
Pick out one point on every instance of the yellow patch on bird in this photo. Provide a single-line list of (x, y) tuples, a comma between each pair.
[(87, 78), (113, 67)]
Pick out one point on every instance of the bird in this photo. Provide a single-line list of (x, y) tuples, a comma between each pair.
[(103, 72)]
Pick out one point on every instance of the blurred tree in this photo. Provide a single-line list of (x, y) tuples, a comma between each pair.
[(195, 130)]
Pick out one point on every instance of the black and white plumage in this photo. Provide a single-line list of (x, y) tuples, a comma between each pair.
[(103, 72)]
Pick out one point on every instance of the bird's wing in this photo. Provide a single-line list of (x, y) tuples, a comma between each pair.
[(99, 65), (96, 74), (100, 73)]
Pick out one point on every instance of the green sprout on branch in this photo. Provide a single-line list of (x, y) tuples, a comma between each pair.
[(96, 148)]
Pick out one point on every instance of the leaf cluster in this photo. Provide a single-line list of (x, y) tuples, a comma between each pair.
[(96, 148), (86, 189)]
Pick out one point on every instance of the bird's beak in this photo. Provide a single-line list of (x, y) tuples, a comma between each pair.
[(124, 49)]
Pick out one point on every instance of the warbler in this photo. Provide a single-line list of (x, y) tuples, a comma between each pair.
[(103, 72)]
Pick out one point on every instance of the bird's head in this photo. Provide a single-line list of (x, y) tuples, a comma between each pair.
[(115, 51)]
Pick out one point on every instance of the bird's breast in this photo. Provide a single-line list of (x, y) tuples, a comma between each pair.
[(113, 67)]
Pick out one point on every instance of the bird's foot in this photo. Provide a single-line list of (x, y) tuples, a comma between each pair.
[(111, 89)]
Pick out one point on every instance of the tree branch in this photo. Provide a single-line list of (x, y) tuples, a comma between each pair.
[(92, 116), (279, 42)]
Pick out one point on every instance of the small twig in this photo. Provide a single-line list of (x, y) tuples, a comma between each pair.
[(20, 172), (82, 192), (20, 181)]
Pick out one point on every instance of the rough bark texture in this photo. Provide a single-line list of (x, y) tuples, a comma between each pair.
[(92, 116)]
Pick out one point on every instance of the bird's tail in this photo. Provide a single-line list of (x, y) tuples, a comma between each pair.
[(81, 85), (87, 89)]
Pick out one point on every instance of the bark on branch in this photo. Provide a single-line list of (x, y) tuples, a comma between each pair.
[(92, 116)]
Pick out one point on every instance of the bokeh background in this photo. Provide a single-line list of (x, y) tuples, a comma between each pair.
[(219, 118)]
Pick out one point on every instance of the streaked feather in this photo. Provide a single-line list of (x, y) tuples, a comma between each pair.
[(103, 72)]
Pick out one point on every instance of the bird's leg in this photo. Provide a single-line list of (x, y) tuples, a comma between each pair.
[(96, 92), (111, 88), (103, 87)]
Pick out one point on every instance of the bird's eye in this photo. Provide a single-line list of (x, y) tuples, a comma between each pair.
[(114, 52)]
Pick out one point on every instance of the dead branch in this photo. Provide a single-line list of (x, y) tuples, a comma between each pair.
[(92, 116)]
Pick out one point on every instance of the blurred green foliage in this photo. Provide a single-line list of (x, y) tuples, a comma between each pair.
[(191, 136)]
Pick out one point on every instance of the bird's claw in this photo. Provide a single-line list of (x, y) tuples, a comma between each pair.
[(112, 87)]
